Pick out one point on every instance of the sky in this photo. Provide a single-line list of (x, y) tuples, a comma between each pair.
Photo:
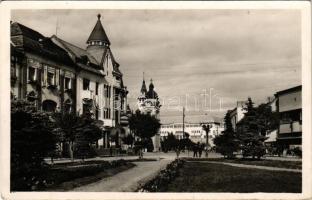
[(204, 60)]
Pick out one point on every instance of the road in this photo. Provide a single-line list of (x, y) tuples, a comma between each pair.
[(129, 180)]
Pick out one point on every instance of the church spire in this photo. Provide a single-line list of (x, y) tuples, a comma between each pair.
[(143, 88), (151, 86), (98, 36)]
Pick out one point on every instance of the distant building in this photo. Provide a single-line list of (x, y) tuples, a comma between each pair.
[(237, 113), (195, 131), (272, 135), (148, 103), (289, 106)]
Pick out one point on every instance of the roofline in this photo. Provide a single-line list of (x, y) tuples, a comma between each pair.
[(192, 123), (26, 28), (293, 89)]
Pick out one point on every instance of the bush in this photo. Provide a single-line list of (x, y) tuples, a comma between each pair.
[(31, 140), (161, 181), (298, 152), (254, 150)]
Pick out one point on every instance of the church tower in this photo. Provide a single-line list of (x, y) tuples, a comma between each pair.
[(148, 101), (98, 41)]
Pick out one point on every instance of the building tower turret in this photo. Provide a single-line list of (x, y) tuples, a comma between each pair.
[(98, 40)]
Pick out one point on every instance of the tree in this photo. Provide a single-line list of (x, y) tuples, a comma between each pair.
[(172, 143), (79, 131), (31, 140), (250, 132), (227, 143), (168, 143), (128, 140), (67, 124), (206, 128), (144, 126), (267, 120)]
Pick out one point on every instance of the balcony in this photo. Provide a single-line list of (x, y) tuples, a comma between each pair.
[(296, 127), (86, 94), (290, 127)]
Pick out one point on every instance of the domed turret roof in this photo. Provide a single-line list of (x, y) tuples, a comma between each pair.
[(151, 94), (98, 33)]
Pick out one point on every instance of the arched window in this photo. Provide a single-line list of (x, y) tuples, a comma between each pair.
[(49, 106), (67, 105)]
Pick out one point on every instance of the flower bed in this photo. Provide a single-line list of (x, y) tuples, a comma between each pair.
[(51, 177), (161, 181)]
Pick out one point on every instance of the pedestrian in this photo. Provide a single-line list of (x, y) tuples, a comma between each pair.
[(200, 149), (195, 149)]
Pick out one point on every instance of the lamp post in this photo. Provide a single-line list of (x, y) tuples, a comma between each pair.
[(206, 128)]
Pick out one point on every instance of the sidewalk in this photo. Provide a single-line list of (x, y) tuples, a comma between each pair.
[(129, 180), (296, 159), (254, 166)]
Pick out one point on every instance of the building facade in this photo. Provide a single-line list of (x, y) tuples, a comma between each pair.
[(237, 113), (41, 72), (195, 131), (289, 106), (59, 76), (271, 135)]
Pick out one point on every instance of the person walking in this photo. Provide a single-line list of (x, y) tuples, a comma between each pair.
[(200, 149), (195, 149)]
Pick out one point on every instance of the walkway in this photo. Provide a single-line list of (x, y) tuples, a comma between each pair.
[(253, 166), (129, 180)]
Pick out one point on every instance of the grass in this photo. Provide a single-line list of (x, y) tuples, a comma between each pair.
[(207, 177), (269, 163), (85, 179), (67, 176)]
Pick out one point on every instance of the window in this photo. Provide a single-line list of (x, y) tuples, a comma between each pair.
[(106, 113), (96, 88), (67, 83), (107, 92), (31, 74), (50, 78), (67, 108), (97, 114), (86, 84), (85, 108), (49, 106)]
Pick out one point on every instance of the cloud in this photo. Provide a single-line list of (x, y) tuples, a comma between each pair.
[(239, 53)]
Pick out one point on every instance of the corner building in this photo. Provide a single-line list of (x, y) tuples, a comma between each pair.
[(59, 76)]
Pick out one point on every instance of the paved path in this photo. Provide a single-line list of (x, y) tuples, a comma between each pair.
[(295, 159), (253, 166), (129, 180)]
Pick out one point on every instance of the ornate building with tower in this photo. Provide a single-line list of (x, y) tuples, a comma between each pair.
[(59, 76), (148, 103)]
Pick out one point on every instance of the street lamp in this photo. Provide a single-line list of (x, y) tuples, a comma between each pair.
[(206, 128)]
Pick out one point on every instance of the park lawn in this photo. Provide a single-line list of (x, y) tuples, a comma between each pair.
[(268, 163), (70, 175), (208, 177)]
